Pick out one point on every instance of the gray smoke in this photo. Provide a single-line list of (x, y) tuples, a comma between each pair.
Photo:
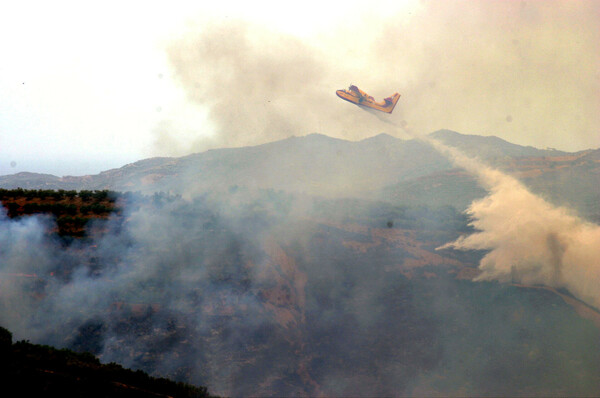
[(258, 292), (257, 86), (168, 274), (512, 65)]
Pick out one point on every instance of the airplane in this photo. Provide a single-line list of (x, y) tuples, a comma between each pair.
[(360, 98)]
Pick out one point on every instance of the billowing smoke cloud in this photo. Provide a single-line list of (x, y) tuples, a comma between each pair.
[(238, 292), (165, 279), (506, 68), (249, 79), (525, 71), (529, 240), (26, 253), (258, 86)]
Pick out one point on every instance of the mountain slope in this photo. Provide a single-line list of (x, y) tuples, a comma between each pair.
[(491, 147), (314, 164), (350, 299), (38, 370), (381, 167)]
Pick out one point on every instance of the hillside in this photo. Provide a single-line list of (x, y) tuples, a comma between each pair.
[(314, 164), (381, 167), (309, 266), (35, 370), (491, 148), (266, 293)]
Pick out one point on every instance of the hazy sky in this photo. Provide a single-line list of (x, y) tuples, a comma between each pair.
[(85, 88)]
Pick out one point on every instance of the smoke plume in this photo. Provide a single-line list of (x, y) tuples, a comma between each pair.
[(525, 71), (257, 86), (529, 239)]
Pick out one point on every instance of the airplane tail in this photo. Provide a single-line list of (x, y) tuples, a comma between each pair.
[(392, 101)]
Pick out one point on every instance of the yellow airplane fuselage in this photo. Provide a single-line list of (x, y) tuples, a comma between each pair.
[(360, 98)]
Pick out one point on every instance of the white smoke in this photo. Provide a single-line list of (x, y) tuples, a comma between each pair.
[(529, 239)]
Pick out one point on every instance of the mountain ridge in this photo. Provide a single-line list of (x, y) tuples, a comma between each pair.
[(382, 166), (447, 136)]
